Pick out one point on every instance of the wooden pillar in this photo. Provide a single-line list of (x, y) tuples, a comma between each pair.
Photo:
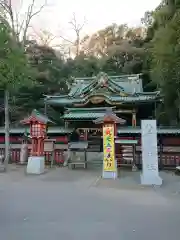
[(155, 110), (134, 118), (42, 147), (33, 147), (38, 147), (160, 144), (115, 130), (115, 136), (45, 106), (66, 124), (85, 135)]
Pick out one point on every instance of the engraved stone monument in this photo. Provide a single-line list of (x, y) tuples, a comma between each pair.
[(150, 170)]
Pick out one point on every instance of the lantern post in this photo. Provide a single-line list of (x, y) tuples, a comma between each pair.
[(38, 126), (109, 124)]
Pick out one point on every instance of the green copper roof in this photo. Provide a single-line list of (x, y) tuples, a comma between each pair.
[(84, 113), (114, 99), (127, 83), (115, 89), (90, 115), (37, 115)]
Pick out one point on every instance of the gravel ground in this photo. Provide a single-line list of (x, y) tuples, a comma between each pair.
[(78, 204)]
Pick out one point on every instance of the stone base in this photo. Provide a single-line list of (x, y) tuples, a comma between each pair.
[(151, 180), (177, 171), (36, 165), (109, 175), (2, 168), (65, 164), (134, 168)]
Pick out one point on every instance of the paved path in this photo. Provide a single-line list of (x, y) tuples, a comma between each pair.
[(64, 204)]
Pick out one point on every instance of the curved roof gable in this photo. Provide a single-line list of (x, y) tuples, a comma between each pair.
[(113, 90), (88, 85)]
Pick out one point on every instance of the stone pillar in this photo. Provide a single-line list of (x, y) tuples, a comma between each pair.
[(24, 152), (150, 168)]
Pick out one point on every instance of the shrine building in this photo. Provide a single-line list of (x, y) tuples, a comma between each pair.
[(89, 98)]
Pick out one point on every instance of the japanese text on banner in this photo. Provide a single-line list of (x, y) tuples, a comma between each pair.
[(108, 142)]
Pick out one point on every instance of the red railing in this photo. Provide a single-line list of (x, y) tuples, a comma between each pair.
[(168, 157), (15, 155)]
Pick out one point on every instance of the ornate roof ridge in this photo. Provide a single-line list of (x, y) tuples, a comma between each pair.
[(110, 76), (113, 86), (147, 93), (56, 96), (89, 109), (85, 78), (112, 82)]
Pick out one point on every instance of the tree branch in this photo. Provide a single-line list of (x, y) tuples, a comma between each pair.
[(29, 17), (7, 8), (44, 36), (77, 28), (17, 26), (65, 39)]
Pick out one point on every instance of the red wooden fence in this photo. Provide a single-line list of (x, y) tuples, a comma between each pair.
[(166, 159), (15, 155)]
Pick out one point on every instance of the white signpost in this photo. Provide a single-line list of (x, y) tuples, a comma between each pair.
[(150, 171)]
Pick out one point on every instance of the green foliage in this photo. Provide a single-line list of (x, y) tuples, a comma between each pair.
[(49, 67), (115, 50), (82, 66), (14, 69), (53, 74), (165, 58)]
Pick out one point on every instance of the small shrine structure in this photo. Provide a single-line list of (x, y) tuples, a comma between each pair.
[(38, 132)]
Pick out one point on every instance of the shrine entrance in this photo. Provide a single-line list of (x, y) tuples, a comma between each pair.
[(93, 136)]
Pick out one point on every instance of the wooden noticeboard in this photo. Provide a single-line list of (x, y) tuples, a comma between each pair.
[(49, 145)]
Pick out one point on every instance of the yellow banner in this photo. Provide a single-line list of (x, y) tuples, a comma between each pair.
[(108, 144)]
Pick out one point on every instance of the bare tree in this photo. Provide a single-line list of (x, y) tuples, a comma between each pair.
[(43, 37), (20, 26), (77, 28)]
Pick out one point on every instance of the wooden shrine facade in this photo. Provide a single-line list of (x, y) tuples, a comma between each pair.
[(129, 145), (88, 100)]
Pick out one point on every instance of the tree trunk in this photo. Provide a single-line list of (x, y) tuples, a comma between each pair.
[(7, 143), (77, 47)]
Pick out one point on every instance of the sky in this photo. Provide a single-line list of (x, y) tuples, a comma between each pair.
[(98, 14)]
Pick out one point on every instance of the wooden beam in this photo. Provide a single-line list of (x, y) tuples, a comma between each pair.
[(123, 111)]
